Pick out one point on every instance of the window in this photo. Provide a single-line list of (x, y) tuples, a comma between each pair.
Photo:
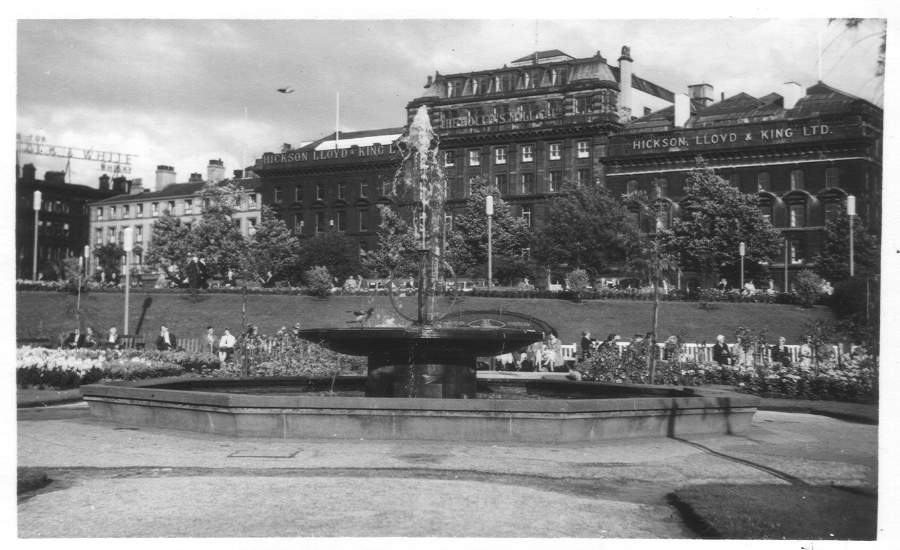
[(766, 211), (320, 191), (449, 158), (554, 181), (126, 211), (452, 89), (527, 153), (797, 252), (139, 233), (363, 190), (298, 223), (277, 194), (112, 212), (631, 186), (154, 209), (342, 191), (474, 157), (99, 212), (363, 220), (734, 179), (582, 105), (140, 210), (797, 180), (647, 111), (501, 182), (111, 234), (798, 215), (340, 220), (584, 149), (500, 155), (298, 193), (526, 214), (763, 182), (554, 77), (832, 209), (832, 177), (527, 182), (171, 207), (253, 200), (188, 206), (473, 181), (320, 222), (554, 151), (583, 176), (662, 187), (98, 236), (386, 188)]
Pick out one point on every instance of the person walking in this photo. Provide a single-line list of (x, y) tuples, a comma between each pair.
[(166, 340)]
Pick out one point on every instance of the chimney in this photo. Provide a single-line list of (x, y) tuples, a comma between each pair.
[(625, 91), (702, 93), (54, 177), (215, 171), (682, 110), (238, 174), (165, 175), (196, 177), (28, 172), (120, 185), (428, 82), (104, 182), (791, 92), (137, 186)]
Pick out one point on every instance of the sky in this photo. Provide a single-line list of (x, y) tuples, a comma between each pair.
[(180, 92)]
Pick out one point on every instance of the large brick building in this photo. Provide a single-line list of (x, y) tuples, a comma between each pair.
[(802, 152)]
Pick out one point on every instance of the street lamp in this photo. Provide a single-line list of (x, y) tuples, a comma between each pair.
[(87, 260), (128, 245), (743, 251), (851, 211), (37, 208), (489, 210)]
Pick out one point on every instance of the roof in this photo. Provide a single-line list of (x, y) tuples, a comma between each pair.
[(362, 138), (72, 190), (176, 190), (542, 56)]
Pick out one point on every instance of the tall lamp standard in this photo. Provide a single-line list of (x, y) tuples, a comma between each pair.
[(37, 208), (489, 210), (743, 250), (128, 245), (851, 211)]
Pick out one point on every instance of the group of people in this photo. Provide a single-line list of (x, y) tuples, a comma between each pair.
[(545, 356), (88, 339), (779, 353), (222, 346)]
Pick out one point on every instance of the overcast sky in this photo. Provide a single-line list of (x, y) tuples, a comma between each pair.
[(175, 91)]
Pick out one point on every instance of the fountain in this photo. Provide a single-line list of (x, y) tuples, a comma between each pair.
[(422, 381), (426, 359)]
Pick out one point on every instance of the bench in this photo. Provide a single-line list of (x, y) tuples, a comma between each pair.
[(568, 353)]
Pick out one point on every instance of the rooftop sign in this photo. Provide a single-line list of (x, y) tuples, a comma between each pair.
[(369, 151)]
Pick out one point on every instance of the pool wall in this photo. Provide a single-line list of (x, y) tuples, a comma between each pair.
[(666, 412)]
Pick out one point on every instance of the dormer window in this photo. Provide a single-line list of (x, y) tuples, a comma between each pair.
[(474, 86), (452, 89), (498, 84)]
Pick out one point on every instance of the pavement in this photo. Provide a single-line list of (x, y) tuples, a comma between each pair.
[(112, 480)]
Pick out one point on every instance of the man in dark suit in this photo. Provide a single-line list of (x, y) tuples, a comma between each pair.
[(721, 353), (166, 340), (193, 275), (781, 354)]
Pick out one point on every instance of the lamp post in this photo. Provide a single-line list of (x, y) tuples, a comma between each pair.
[(37, 208), (743, 250), (851, 211), (87, 261), (489, 210), (128, 245)]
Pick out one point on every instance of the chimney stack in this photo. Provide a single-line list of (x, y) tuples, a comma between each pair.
[(165, 175), (54, 177), (702, 93), (137, 186), (625, 91), (238, 174), (104, 182), (28, 172), (215, 171), (791, 92), (682, 110), (196, 177)]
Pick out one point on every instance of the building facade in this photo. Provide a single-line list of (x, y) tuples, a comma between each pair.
[(140, 209), (533, 124), (801, 151), (332, 184), (63, 219)]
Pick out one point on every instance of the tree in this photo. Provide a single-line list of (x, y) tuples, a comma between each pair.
[(109, 258), (396, 244), (332, 250), (833, 262), (715, 218), (217, 236), (587, 228), (467, 239), (272, 249), (171, 245)]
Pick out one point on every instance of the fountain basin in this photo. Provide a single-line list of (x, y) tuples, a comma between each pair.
[(424, 361), (600, 411)]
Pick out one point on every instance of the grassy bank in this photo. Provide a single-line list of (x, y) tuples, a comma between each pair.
[(51, 313)]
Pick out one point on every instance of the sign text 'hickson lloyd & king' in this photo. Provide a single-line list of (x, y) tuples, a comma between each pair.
[(367, 151), (705, 138)]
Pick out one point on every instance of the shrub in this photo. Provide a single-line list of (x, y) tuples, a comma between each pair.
[(577, 282), (809, 287), (318, 279)]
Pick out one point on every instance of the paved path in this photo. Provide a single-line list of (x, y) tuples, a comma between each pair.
[(113, 480)]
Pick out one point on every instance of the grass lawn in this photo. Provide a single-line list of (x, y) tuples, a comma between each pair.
[(51, 313), (779, 512)]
